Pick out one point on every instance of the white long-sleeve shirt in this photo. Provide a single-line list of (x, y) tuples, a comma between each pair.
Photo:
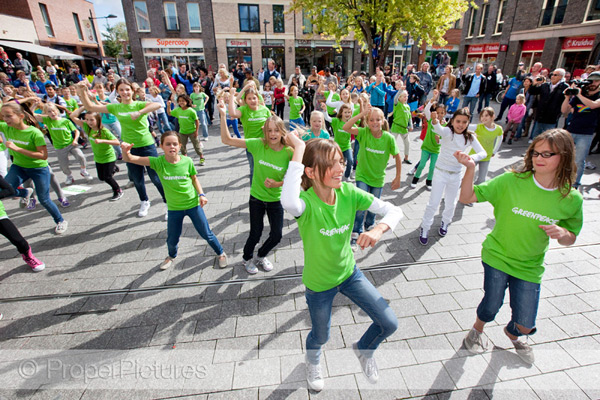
[(452, 142), (292, 203)]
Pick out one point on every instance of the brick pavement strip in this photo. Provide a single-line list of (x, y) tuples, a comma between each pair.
[(252, 334)]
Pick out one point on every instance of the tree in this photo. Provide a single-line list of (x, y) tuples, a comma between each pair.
[(113, 40), (383, 21)]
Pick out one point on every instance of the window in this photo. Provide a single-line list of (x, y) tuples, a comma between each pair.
[(501, 16), (307, 26), (193, 10), (249, 19), (459, 23), (46, 18), (141, 16), (484, 18), (278, 19), (593, 11), (171, 22), (553, 12), (77, 26), (472, 22)]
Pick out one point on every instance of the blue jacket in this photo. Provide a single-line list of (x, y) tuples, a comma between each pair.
[(377, 94), (389, 99)]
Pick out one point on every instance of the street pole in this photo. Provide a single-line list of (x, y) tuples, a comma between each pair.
[(96, 34)]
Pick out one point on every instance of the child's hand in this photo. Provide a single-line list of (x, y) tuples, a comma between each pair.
[(203, 201), (434, 118), (293, 139), (126, 147), (135, 115), (436, 93), (555, 231), (368, 239), (10, 145), (396, 183), (464, 159), (98, 141), (222, 108), (74, 144), (270, 183)]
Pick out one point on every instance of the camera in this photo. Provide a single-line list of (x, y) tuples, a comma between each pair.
[(580, 85), (539, 79)]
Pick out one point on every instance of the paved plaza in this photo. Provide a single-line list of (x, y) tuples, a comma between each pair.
[(197, 331)]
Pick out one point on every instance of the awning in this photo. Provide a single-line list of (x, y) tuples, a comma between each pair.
[(37, 49)]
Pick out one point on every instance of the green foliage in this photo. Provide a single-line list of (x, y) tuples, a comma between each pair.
[(113, 38)]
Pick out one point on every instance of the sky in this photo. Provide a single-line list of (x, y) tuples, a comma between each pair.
[(103, 8)]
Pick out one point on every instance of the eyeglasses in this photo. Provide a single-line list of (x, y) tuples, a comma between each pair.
[(554, 74), (545, 154)]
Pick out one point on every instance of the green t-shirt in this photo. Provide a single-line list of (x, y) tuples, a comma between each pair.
[(334, 97), (517, 245), (325, 230), (310, 135), (177, 183), (3, 214), (267, 164), (72, 104), (402, 117), (429, 143), (29, 139), (296, 105), (356, 110), (187, 119), (103, 153), (486, 139), (135, 132), (60, 131), (341, 137), (253, 121), (373, 156), (198, 100)]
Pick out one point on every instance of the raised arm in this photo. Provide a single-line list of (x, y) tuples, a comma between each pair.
[(349, 126), (75, 116), (82, 92), (334, 104), (290, 193), (234, 112), (225, 134), (128, 157)]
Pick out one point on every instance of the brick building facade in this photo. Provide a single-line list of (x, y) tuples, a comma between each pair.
[(558, 33)]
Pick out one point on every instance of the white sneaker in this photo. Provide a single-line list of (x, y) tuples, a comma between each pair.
[(368, 365), (314, 376), (86, 175), (61, 227), (475, 342), (144, 207), (530, 141), (222, 261), (412, 171), (70, 180), (25, 200), (250, 266), (167, 215), (413, 185), (264, 263), (168, 263)]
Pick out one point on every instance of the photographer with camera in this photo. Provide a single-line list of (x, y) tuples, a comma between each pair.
[(582, 99), (550, 100)]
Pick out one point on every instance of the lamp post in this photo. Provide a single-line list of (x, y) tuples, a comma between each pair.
[(96, 35), (266, 23)]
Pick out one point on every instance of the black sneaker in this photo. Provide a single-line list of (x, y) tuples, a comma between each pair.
[(117, 196), (509, 141), (406, 162), (443, 229), (423, 239)]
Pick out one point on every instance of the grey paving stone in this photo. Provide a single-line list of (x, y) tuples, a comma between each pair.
[(556, 385), (585, 350), (273, 304), (431, 348), (174, 333), (231, 308), (586, 379), (510, 389), (439, 302), (413, 289), (292, 320), (444, 285), (507, 365), (550, 357), (339, 388), (434, 324), (255, 373), (215, 329), (242, 394), (280, 344), (427, 379), (236, 349), (255, 325), (468, 298), (218, 377), (407, 307), (285, 391), (591, 298), (132, 338), (470, 371), (575, 325), (390, 385)]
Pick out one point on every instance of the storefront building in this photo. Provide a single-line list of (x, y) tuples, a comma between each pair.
[(324, 54), (159, 53)]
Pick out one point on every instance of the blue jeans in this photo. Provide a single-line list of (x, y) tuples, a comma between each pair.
[(233, 123), (360, 215), (41, 179), (203, 122), (163, 122), (251, 162), (136, 172), (582, 148), (470, 102), (362, 292), (349, 162), (506, 103), (274, 212), (484, 99), (540, 127), (175, 224), (524, 299), (296, 122), (115, 129), (355, 149)]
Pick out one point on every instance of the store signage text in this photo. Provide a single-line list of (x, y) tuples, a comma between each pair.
[(578, 43)]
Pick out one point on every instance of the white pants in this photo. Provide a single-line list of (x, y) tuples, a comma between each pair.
[(448, 185), (3, 163)]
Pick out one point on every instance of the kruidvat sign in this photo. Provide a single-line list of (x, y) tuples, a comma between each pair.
[(578, 43)]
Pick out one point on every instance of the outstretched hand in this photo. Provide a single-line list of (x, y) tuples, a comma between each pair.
[(368, 239), (292, 139), (126, 147), (464, 159)]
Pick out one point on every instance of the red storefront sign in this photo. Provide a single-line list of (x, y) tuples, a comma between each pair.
[(533, 45), (578, 43), (483, 48)]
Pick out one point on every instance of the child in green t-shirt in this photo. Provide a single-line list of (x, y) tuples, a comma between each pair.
[(341, 137), (183, 193), (489, 135), (296, 108), (188, 124), (325, 211), (199, 99), (402, 122), (532, 205)]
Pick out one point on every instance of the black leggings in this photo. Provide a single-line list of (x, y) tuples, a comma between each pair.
[(10, 231), (105, 174), (279, 109)]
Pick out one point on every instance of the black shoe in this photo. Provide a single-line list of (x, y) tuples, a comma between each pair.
[(406, 162), (497, 119), (509, 141)]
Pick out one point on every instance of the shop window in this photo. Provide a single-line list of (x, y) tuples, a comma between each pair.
[(249, 18), (77, 26), (278, 19), (46, 19), (307, 26), (484, 18), (171, 20), (141, 16), (553, 12), (501, 16), (593, 11), (193, 11), (472, 22)]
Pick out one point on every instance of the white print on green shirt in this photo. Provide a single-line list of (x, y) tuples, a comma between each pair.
[(20, 142), (335, 231), (532, 215), (174, 178), (266, 164), (375, 151)]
